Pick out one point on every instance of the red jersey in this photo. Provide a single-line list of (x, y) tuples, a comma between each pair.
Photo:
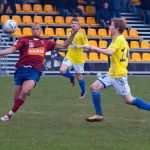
[(32, 51)]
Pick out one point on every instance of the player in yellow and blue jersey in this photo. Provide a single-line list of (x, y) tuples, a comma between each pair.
[(74, 58), (118, 51)]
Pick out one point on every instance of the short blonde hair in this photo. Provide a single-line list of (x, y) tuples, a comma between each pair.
[(119, 23)]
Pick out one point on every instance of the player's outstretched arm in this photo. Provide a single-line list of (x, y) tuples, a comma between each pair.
[(101, 50), (86, 46), (69, 40), (8, 51)]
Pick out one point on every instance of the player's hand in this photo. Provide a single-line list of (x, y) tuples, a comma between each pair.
[(53, 56)]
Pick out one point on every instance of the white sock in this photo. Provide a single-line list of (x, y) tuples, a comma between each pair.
[(11, 113)]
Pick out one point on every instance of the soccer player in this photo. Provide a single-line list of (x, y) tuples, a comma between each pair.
[(118, 51), (32, 51), (74, 58)]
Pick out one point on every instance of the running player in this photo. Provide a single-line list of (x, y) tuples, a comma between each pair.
[(117, 75), (74, 58)]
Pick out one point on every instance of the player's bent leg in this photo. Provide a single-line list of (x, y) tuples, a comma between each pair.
[(138, 102), (26, 89), (64, 70), (96, 99)]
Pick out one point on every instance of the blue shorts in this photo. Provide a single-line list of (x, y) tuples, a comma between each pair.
[(26, 73)]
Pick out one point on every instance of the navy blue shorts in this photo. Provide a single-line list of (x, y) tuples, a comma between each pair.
[(26, 73)]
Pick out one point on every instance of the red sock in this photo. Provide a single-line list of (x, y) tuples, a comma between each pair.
[(17, 104)]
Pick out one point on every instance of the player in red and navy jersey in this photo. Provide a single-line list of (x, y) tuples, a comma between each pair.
[(32, 51)]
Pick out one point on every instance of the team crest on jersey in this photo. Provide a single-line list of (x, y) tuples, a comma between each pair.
[(42, 41), (31, 44)]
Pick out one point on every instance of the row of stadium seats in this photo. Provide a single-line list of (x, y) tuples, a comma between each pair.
[(93, 56), (48, 8), (26, 19), (104, 44), (58, 31), (132, 44)]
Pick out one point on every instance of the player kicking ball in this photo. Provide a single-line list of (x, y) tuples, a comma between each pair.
[(32, 51)]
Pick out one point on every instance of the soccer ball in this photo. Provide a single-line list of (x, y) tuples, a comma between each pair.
[(10, 26)]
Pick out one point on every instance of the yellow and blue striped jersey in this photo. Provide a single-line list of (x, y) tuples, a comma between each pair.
[(73, 54), (119, 60)]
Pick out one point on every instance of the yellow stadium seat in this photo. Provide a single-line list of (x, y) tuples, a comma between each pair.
[(59, 20), (17, 18), (27, 31), (48, 8), (125, 33), (133, 33), (82, 30), (91, 21), (68, 19), (93, 56), (85, 55), (91, 32), (27, 8), (60, 32), (49, 32), (109, 33), (102, 32), (81, 20), (136, 57), (62, 54), (8, 9), (48, 20), (17, 32), (27, 20), (59, 41), (102, 44), (38, 19), (68, 30), (103, 57), (4, 18), (146, 56), (145, 44), (93, 43), (134, 44), (37, 8), (82, 8), (18, 8), (135, 2), (90, 10)]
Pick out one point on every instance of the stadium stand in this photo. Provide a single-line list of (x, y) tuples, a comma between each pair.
[(54, 25)]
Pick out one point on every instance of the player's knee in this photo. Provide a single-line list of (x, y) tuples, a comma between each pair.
[(129, 101), (26, 92), (92, 88), (61, 71)]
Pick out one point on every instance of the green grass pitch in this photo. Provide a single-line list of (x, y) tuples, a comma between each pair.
[(53, 118)]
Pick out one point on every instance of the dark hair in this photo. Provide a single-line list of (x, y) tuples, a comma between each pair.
[(74, 19), (119, 23)]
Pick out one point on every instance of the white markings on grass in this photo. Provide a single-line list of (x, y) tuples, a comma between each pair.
[(84, 115)]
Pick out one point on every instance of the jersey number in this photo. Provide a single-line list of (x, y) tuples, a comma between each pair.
[(124, 55)]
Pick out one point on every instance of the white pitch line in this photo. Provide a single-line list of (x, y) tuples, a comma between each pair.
[(77, 114)]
